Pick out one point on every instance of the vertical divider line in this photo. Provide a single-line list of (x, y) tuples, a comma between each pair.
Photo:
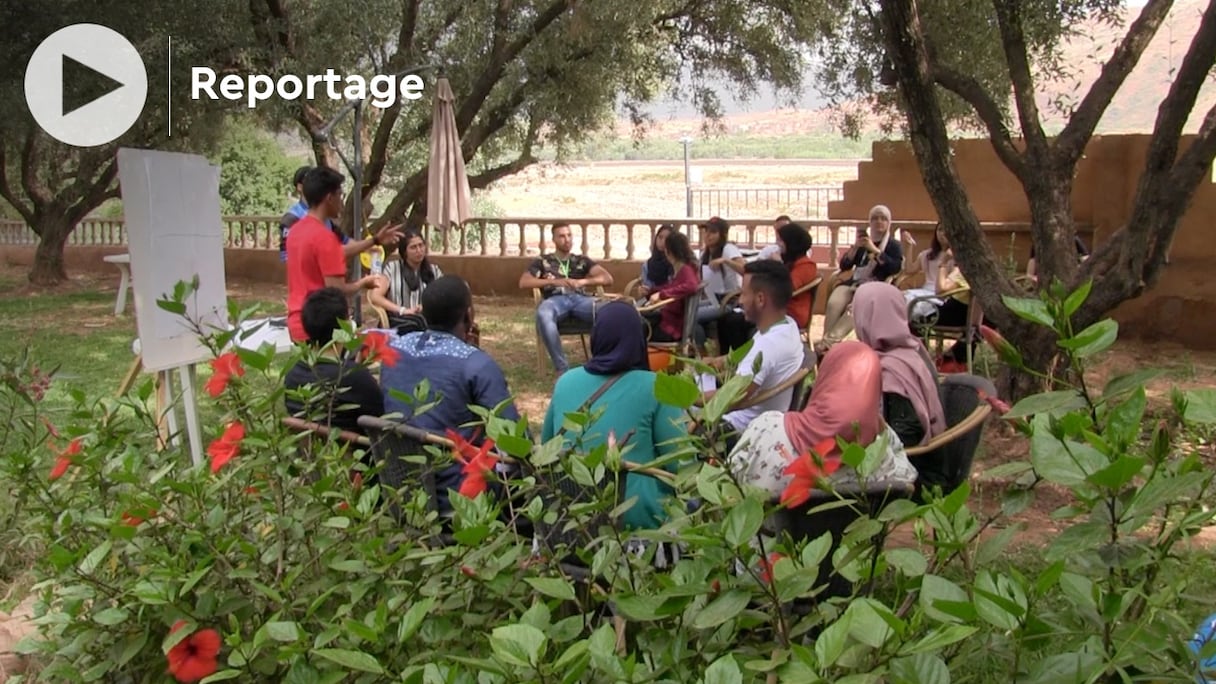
[(169, 83)]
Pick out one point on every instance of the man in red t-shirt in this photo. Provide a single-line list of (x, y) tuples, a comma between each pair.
[(316, 257)]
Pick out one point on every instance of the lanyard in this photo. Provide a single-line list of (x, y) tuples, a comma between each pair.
[(563, 267)]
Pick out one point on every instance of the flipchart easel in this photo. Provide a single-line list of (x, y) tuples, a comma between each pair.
[(174, 232)]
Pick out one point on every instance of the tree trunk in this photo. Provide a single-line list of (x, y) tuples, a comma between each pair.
[(1040, 353), (48, 266)]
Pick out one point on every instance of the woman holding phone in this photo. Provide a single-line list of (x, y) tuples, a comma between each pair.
[(874, 256)]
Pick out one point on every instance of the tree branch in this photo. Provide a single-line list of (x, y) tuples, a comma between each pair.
[(1071, 142), (989, 112), (6, 189), (484, 85), (34, 189), (1013, 42)]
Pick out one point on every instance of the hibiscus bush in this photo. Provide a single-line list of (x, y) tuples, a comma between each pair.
[(280, 557)]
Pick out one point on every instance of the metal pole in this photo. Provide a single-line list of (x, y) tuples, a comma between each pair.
[(356, 228), (687, 179)]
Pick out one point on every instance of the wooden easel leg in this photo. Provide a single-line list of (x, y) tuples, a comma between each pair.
[(166, 420), (128, 380)]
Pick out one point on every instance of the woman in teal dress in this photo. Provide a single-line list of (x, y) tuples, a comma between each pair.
[(630, 412)]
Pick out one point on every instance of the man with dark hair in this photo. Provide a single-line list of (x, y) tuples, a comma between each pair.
[(457, 374), (336, 390), (295, 212), (777, 351), (316, 257), (562, 278)]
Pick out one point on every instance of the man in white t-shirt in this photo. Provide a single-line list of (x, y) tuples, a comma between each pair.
[(777, 351), (773, 251)]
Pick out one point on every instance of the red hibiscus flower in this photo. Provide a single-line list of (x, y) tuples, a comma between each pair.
[(135, 520), (193, 658), (999, 405), (226, 447), (65, 459), (223, 367), (807, 470), (376, 348), (766, 566), (478, 461), (50, 427)]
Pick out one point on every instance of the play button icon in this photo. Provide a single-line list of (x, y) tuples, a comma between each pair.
[(86, 85)]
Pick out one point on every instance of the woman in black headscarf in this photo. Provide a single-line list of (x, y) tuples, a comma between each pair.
[(617, 384)]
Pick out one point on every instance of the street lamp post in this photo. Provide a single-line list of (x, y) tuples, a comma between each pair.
[(687, 178)]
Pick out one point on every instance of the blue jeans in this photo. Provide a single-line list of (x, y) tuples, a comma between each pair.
[(555, 310)]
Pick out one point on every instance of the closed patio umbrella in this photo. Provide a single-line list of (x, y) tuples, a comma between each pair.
[(447, 191)]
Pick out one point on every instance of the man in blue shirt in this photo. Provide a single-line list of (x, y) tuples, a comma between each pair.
[(459, 374)]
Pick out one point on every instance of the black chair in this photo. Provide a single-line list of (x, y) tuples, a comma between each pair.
[(945, 461)]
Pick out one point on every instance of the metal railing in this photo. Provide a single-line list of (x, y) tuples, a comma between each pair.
[(808, 201), (628, 239)]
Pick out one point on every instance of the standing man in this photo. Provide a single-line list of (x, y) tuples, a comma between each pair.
[(295, 212), (562, 278), (316, 257)]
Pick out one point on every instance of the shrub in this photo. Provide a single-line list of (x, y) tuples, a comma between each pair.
[(276, 559)]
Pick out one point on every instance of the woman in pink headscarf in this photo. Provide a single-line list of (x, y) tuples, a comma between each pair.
[(844, 403), (911, 404)]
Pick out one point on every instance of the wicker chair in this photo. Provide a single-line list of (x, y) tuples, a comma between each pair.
[(928, 328)]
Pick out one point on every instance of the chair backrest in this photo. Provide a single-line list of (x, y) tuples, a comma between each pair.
[(691, 304), (400, 451), (950, 465), (802, 390), (813, 290)]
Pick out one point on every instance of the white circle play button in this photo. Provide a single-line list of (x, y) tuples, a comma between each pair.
[(86, 85)]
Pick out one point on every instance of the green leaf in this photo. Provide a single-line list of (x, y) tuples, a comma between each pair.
[(941, 637), (520, 645), (1119, 473), (726, 396), (176, 308), (935, 590), (868, 625), (921, 668), (721, 609), (1033, 310), (1095, 339), (1066, 463), (111, 616), (999, 600), (675, 390), (131, 646), (831, 641), (91, 561), (724, 670), (910, 562), (1123, 384), (1200, 406), (555, 587), (412, 620), (351, 660), (1123, 421), (743, 522), (1076, 298), (222, 675), (285, 631), (1046, 403), (514, 445)]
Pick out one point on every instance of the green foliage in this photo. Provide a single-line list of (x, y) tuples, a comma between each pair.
[(255, 174), (306, 576), (819, 146)]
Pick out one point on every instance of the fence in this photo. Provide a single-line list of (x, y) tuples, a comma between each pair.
[(598, 238), (808, 202)]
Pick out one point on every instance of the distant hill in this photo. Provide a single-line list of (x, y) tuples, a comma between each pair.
[(1133, 110)]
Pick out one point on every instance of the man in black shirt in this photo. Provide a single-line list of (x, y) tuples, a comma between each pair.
[(337, 390), (563, 279)]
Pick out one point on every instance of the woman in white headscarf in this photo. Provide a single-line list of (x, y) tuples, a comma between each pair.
[(873, 257)]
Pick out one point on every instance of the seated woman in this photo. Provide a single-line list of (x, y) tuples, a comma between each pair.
[(874, 256), (631, 415), (926, 262), (721, 268), (844, 403), (794, 243), (911, 404), (954, 310), (403, 280), (667, 325), (656, 270)]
